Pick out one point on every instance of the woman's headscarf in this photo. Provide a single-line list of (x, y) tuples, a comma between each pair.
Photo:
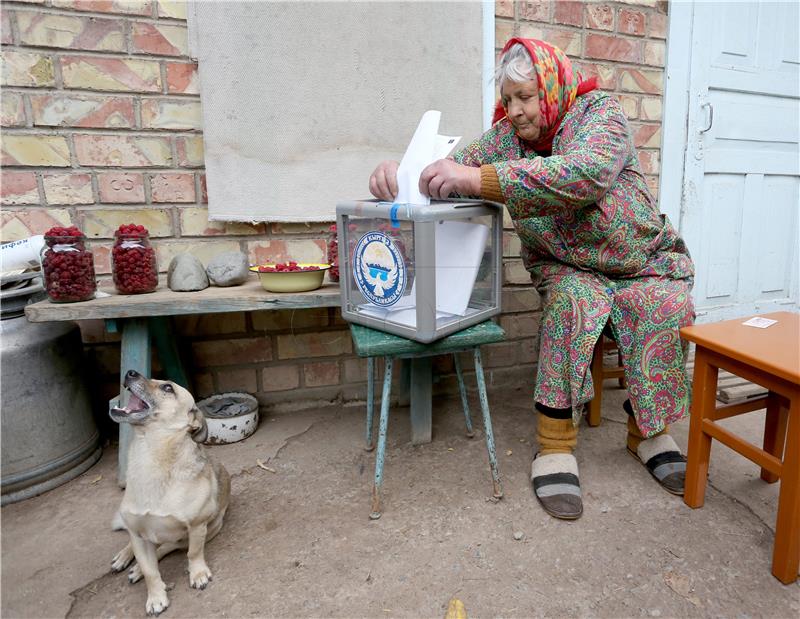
[(558, 84)]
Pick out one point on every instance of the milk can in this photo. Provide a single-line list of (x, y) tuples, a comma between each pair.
[(48, 433)]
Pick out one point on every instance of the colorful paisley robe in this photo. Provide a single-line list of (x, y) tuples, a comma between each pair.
[(599, 252)]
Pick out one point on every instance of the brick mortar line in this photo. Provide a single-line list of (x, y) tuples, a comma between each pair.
[(40, 189), (12, 22), (27, 109), (111, 55), (25, 7), (43, 90), (559, 27), (50, 130), (99, 169), (587, 32)]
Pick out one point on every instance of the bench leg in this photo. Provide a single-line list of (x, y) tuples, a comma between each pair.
[(161, 332), (135, 355), (421, 394), (463, 390), (786, 551), (487, 425), (699, 451), (382, 427), (370, 400), (774, 434)]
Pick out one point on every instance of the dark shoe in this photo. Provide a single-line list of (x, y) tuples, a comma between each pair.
[(556, 485)]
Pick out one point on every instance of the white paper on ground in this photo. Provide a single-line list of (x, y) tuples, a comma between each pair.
[(426, 146)]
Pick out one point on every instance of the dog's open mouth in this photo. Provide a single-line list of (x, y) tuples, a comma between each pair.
[(136, 411)]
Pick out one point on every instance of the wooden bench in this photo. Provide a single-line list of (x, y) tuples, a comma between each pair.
[(143, 320)]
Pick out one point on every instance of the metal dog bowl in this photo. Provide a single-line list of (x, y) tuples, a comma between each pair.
[(230, 417)]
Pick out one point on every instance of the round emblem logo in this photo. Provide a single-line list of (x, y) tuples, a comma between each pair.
[(379, 269)]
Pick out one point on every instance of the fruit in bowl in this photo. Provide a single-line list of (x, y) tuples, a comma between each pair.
[(290, 276)]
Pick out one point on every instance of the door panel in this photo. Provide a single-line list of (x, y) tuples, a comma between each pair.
[(741, 185)]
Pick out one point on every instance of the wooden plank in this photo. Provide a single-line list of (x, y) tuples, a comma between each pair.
[(743, 392), (732, 388), (250, 296)]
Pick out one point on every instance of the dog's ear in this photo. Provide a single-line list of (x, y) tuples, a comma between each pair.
[(197, 425)]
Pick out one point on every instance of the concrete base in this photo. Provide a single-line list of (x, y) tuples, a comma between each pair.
[(299, 542)]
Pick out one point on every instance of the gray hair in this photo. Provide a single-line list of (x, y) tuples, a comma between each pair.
[(515, 65)]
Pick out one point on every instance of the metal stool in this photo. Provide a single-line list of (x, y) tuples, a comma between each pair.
[(371, 343)]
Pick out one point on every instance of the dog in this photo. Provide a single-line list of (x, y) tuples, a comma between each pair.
[(176, 496)]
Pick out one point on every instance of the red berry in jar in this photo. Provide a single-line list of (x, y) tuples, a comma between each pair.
[(67, 265), (133, 260)]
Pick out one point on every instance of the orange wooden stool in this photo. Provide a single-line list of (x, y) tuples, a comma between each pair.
[(771, 358), (600, 373)]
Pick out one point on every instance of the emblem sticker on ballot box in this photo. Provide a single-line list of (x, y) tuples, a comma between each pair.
[(379, 269)]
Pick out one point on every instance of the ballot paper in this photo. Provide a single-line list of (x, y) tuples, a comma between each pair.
[(460, 246), (425, 147)]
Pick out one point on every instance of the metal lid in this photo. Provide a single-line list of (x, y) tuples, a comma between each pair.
[(17, 290)]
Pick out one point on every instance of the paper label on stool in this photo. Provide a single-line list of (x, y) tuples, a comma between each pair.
[(758, 321)]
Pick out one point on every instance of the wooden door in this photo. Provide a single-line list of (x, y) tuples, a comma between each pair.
[(740, 198)]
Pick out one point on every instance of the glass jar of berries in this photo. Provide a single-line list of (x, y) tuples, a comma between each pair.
[(67, 265), (133, 260), (333, 254)]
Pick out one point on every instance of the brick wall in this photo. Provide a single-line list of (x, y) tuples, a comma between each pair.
[(623, 44), (101, 126)]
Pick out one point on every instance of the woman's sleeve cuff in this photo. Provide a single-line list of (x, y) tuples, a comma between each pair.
[(490, 184)]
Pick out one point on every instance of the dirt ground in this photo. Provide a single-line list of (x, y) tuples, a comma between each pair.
[(299, 543)]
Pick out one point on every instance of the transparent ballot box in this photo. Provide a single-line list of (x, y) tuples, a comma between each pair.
[(421, 272)]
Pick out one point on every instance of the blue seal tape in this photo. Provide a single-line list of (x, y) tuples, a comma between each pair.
[(393, 215)]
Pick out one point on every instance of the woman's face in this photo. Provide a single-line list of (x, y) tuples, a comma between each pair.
[(521, 103)]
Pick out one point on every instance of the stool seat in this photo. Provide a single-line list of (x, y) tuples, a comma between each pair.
[(371, 343)]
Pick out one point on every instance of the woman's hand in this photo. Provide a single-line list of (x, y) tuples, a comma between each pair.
[(383, 182), (443, 177)]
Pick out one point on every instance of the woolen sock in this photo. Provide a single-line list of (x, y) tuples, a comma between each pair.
[(556, 435), (634, 434)]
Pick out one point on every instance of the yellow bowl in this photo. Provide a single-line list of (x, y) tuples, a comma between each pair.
[(292, 281)]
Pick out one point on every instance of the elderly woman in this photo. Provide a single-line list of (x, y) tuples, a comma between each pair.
[(560, 157)]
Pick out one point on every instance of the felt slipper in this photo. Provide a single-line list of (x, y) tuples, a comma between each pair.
[(662, 457), (556, 485)]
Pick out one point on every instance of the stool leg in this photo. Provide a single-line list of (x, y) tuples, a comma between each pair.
[(463, 389), (370, 400), (487, 425), (774, 434), (786, 551), (382, 426), (596, 403), (699, 451)]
